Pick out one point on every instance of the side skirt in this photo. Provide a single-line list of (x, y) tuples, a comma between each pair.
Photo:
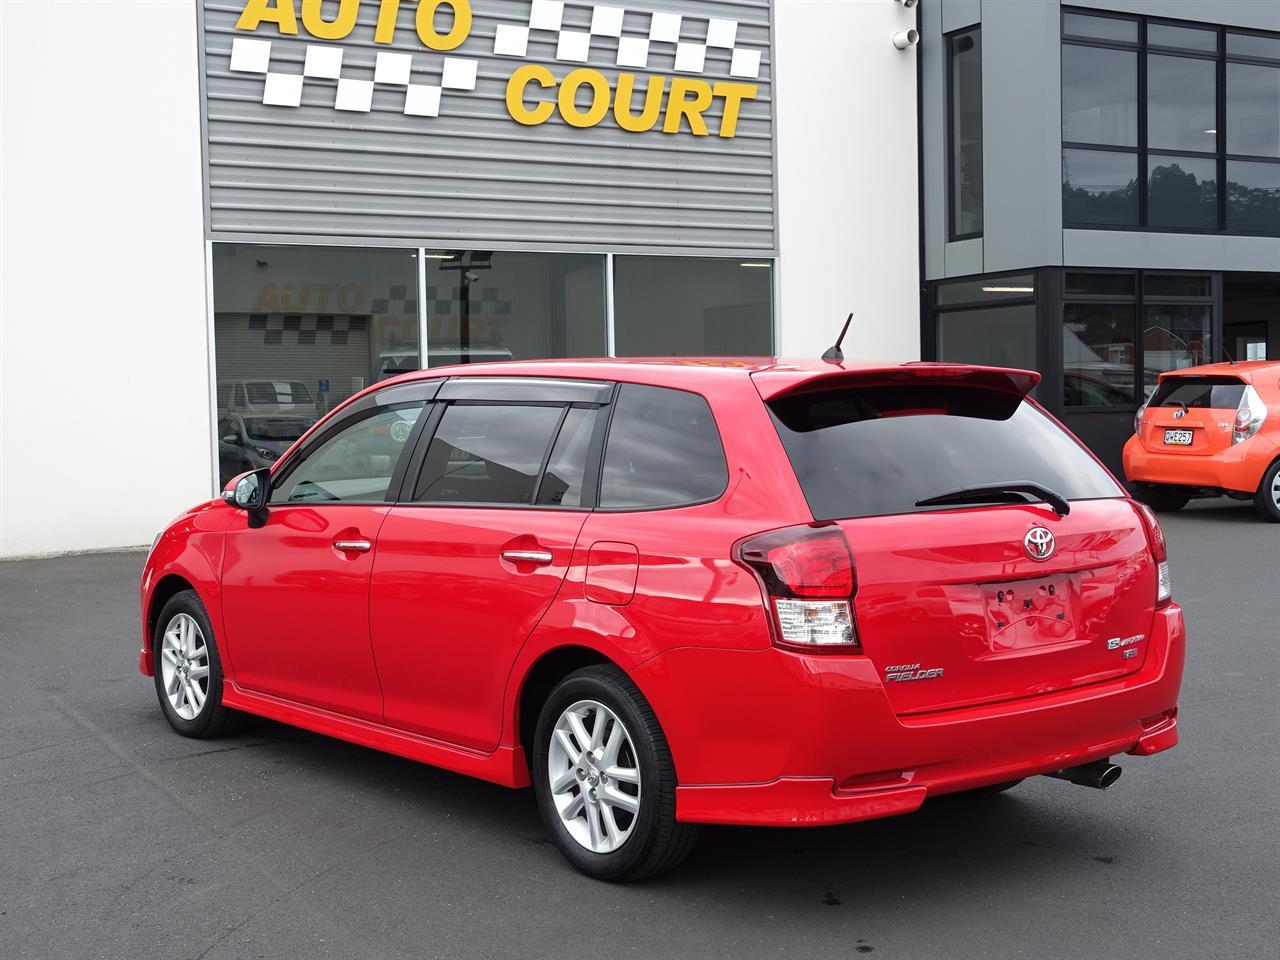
[(506, 765)]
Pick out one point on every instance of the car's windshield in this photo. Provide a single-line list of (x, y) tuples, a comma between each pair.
[(877, 450), (276, 428)]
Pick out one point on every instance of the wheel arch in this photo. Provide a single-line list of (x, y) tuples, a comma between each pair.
[(540, 679)]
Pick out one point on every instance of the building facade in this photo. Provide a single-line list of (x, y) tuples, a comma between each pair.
[(222, 217), (1101, 193)]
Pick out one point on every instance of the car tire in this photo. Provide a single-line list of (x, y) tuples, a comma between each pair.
[(188, 670), (1267, 500), (1163, 498), (609, 803)]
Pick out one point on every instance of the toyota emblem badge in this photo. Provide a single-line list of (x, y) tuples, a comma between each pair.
[(1038, 543)]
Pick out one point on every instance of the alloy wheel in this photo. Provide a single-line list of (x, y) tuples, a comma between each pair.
[(184, 666), (594, 775), (1275, 490)]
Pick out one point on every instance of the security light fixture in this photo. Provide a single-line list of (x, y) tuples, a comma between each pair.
[(906, 38)]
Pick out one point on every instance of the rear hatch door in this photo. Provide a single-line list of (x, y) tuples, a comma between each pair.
[(953, 605), (1191, 415)]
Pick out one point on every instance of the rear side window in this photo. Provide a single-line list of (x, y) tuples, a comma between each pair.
[(872, 451), (1217, 393), (663, 450), (487, 453)]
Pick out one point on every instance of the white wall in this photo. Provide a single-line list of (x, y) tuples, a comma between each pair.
[(845, 116), (104, 396)]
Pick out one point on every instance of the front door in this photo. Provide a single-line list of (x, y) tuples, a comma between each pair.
[(295, 591), (465, 571)]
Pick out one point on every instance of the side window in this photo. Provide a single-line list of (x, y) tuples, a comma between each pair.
[(356, 463), (663, 450), (562, 483), (487, 453)]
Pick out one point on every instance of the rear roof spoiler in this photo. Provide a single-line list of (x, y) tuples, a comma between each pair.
[(783, 382)]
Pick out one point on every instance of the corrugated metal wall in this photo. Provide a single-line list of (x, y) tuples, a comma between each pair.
[(472, 175)]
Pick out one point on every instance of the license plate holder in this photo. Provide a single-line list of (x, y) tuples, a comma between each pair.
[(1178, 438), (1029, 613)]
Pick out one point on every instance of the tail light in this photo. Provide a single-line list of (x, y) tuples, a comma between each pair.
[(1249, 416), (1137, 419), (1160, 553), (809, 581)]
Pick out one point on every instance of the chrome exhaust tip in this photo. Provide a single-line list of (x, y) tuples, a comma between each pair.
[(1100, 774)]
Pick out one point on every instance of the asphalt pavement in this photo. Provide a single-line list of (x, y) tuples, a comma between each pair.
[(120, 839)]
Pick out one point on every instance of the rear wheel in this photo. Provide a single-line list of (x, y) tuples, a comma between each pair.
[(1267, 500), (604, 778), (1163, 498)]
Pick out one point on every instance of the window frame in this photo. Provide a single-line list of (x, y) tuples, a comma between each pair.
[(1221, 58), (952, 234), (359, 410), (556, 392), (1139, 300), (715, 425)]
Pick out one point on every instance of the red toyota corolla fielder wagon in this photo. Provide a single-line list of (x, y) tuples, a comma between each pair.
[(667, 593)]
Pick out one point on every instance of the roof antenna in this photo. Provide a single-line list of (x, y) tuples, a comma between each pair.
[(835, 354), (1228, 354)]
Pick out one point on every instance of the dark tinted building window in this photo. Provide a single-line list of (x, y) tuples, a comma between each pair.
[(1253, 197), (1098, 354), (1182, 103), (1182, 192), (663, 450), (1099, 188), (487, 453), (1099, 96), (965, 120), (996, 336)]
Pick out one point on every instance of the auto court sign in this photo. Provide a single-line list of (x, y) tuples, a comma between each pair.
[(564, 85)]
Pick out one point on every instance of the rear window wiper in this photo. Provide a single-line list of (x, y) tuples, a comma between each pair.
[(988, 492)]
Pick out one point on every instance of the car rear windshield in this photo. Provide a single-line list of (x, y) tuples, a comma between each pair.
[(1216, 393), (877, 450)]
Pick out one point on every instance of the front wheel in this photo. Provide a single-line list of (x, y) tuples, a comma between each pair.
[(1267, 500), (188, 669), (604, 779)]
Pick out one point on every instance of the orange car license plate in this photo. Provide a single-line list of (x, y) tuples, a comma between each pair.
[(1177, 438)]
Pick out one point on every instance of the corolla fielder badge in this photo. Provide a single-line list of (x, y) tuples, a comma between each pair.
[(1038, 543)]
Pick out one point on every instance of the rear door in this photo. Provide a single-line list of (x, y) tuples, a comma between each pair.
[(1191, 415), (473, 555), (964, 604)]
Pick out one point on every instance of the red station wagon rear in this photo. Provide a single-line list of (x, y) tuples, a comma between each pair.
[(667, 593)]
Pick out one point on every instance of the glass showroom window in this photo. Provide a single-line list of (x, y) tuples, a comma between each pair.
[(298, 329), (487, 306), (964, 130), (678, 306), (1101, 349), (989, 321)]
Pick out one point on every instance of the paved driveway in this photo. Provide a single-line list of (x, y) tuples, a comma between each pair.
[(120, 839)]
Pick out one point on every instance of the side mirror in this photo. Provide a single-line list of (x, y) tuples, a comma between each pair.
[(249, 492), (230, 438)]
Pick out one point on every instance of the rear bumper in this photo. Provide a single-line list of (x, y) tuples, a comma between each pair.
[(1239, 468), (788, 739)]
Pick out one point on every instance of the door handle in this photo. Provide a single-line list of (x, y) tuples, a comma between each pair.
[(353, 546), (527, 556)]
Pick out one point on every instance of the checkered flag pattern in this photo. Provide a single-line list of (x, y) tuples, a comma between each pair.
[(574, 46), (325, 62), (482, 301), (306, 329), (398, 303)]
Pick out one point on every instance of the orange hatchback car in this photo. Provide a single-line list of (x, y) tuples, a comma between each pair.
[(1206, 432)]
